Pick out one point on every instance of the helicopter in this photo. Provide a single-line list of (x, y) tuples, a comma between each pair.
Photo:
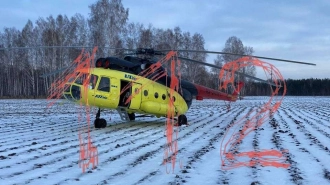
[(125, 85), (114, 80)]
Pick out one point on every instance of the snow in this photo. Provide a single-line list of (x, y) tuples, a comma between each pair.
[(41, 146)]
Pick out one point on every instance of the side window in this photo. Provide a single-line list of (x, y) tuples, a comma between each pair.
[(104, 84), (93, 81)]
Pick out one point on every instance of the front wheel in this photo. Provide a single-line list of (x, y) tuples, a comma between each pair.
[(100, 123), (131, 116), (182, 120)]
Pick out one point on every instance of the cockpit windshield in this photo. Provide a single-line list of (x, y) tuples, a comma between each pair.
[(93, 81), (81, 78)]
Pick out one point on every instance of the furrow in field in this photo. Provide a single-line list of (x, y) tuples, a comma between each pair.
[(300, 150), (127, 147), (69, 157), (196, 160), (154, 153)]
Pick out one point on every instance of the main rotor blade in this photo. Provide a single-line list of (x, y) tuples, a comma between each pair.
[(47, 47), (54, 72), (218, 67), (130, 53), (242, 55)]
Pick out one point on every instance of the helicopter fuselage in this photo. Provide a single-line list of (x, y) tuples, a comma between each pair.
[(112, 89)]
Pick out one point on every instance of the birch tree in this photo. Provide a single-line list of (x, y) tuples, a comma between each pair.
[(235, 45), (107, 22)]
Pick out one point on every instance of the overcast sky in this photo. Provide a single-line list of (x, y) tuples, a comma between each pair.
[(289, 29)]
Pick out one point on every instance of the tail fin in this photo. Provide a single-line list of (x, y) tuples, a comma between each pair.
[(238, 89)]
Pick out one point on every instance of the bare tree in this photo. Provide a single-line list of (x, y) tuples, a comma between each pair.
[(78, 35), (11, 38), (146, 37), (178, 38), (193, 71), (214, 75), (29, 62), (235, 45), (132, 35), (107, 22)]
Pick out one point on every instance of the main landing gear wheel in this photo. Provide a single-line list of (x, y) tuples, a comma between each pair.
[(99, 122), (131, 116), (182, 120)]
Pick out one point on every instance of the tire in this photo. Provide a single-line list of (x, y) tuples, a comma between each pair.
[(182, 120), (97, 123), (100, 123), (103, 123), (131, 116)]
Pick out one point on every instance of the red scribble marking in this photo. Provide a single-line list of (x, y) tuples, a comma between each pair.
[(230, 156), (81, 64), (79, 68), (154, 73), (88, 152), (155, 70), (172, 143)]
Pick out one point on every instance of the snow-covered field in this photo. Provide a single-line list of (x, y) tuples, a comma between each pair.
[(41, 146)]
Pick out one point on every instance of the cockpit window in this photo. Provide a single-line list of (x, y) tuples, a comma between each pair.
[(81, 78), (93, 81), (104, 84)]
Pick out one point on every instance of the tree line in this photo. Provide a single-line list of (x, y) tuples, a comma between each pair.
[(301, 87)]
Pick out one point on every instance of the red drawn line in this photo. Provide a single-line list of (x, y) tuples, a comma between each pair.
[(230, 156), (172, 142), (154, 73), (79, 69)]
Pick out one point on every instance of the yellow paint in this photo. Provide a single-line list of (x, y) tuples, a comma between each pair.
[(143, 101), (136, 100)]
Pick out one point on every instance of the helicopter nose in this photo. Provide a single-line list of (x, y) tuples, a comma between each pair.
[(72, 93)]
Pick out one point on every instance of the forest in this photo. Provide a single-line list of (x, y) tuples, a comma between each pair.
[(302, 87), (23, 57)]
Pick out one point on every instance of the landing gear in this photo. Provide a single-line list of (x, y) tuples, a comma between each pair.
[(182, 120), (131, 116), (99, 122)]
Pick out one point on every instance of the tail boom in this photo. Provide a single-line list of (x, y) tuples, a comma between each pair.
[(208, 93)]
